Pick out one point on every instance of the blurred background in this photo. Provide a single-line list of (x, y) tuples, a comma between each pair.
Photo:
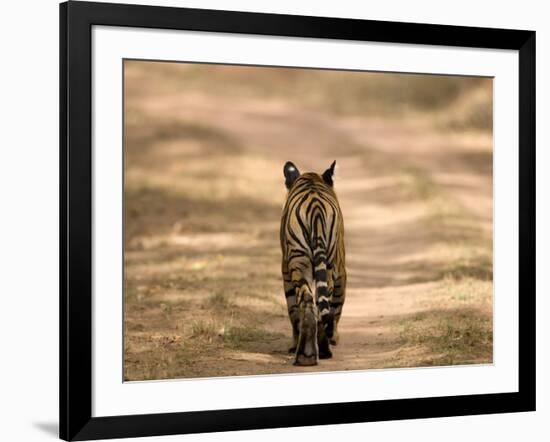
[(204, 189)]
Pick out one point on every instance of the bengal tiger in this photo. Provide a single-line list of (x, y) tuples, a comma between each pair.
[(313, 264)]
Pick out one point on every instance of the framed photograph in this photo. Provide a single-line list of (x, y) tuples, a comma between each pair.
[(273, 220)]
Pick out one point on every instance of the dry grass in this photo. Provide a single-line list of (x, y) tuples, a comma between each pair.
[(245, 336), (458, 328), (473, 109)]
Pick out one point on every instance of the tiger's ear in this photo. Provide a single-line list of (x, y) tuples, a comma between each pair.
[(329, 173), (291, 174)]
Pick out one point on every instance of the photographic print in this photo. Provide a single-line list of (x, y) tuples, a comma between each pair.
[(252, 204), (291, 220)]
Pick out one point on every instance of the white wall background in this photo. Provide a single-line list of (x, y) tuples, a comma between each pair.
[(29, 218)]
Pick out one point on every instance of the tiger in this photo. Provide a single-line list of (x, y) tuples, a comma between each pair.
[(313, 262)]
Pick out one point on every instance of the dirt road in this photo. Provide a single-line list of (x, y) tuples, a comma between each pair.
[(204, 192)]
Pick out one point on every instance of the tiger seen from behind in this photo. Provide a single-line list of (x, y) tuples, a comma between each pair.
[(313, 264)]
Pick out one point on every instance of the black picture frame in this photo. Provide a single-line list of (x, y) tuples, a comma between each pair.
[(76, 21)]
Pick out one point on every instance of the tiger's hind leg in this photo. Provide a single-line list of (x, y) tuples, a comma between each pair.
[(307, 350), (336, 336), (292, 307), (323, 342), (336, 304)]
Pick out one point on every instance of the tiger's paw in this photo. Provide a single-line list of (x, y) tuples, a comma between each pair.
[(304, 361), (325, 354)]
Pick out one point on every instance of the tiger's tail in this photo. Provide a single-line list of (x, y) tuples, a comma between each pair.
[(320, 274)]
